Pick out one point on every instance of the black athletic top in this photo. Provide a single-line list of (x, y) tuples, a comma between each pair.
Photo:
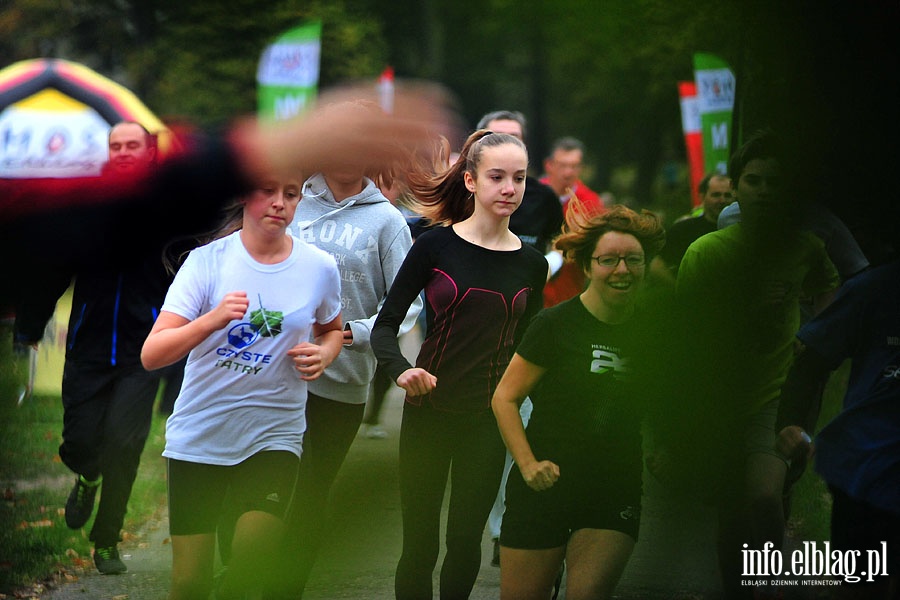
[(478, 304)]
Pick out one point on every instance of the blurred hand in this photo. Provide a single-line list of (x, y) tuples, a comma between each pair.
[(337, 132)]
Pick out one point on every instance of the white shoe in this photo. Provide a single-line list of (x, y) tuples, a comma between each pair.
[(374, 432)]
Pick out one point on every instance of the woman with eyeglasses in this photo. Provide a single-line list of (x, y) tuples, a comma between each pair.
[(578, 493)]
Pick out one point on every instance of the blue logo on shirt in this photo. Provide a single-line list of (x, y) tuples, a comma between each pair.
[(242, 335)]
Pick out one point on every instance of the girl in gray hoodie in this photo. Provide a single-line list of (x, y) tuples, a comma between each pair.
[(345, 214)]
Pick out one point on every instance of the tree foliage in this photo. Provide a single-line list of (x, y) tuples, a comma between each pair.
[(603, 71), (188, 60)]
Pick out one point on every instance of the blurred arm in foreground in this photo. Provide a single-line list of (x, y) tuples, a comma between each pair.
[(52, 227)]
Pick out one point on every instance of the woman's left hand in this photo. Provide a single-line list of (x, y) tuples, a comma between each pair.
[(308, 359)]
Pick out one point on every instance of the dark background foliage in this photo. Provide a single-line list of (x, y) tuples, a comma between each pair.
[(605, 71)]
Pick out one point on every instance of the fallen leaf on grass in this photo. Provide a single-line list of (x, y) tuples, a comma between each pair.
[(35, 524)]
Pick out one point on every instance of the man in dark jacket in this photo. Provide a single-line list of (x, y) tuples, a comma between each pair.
[(107, 395)]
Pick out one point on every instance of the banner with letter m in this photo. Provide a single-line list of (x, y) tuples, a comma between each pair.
[(288, 73), (715, 99)]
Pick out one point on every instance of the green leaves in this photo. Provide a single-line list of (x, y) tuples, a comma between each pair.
[(267, 322)]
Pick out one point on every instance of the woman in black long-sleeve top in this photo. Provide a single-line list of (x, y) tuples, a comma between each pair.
[(482, 286)]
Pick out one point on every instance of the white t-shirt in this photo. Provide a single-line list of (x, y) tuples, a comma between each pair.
[(241, 394)]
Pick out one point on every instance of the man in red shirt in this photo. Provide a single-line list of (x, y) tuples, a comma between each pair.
[(563, 175)]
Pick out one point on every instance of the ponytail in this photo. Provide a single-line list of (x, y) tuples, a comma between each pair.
[(443, 198)]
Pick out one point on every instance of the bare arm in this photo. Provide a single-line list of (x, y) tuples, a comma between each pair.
[(517, 382), (173, 337)]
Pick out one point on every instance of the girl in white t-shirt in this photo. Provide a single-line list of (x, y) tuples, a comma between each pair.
[(244, 306)]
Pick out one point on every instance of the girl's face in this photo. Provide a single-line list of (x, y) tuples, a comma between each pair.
[(616, 285), (271, 207), (499, 183)]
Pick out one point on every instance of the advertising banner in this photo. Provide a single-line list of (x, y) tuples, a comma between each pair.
[(693, 136), (715, 100), (288, 74), (55, 116)]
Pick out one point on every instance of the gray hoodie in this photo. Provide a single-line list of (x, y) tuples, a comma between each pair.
[(369, 239)]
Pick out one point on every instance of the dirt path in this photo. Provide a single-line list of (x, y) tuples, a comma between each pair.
[(358, 560), (674, 558)]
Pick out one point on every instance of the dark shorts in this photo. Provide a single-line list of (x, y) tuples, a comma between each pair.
[(859, 526), (198, 493), (587, 495)]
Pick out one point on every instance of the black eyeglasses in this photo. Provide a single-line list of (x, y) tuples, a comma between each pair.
[(632, 261)]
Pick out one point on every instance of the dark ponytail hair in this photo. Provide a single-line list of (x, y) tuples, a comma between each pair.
[(443, 198)]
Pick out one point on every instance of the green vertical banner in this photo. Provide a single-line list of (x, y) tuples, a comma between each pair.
[(715, 100), (288, 73)]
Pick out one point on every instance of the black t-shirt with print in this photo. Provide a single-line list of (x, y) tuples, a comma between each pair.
[(583, 401)]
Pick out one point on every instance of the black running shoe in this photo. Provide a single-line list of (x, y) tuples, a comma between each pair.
[(108, 561), (80, 504)]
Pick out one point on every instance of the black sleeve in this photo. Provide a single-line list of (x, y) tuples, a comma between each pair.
[(409, 282), (801, 393), (538, 341), (35, 302), (554, 218)]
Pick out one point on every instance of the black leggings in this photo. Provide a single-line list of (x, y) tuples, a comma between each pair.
[(433, 444), (331, 427)]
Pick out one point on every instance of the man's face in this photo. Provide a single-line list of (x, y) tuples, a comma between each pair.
[(129, 149), (513, 128), (718, 195), (760, 192), (563, 169)]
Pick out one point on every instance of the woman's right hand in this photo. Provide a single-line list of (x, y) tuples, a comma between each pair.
[(232, 308), (417, 382), (540, 475)]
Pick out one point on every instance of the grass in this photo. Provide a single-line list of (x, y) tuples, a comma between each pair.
[(35, 542)]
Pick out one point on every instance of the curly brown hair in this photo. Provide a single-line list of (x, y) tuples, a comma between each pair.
[(583, 229)]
